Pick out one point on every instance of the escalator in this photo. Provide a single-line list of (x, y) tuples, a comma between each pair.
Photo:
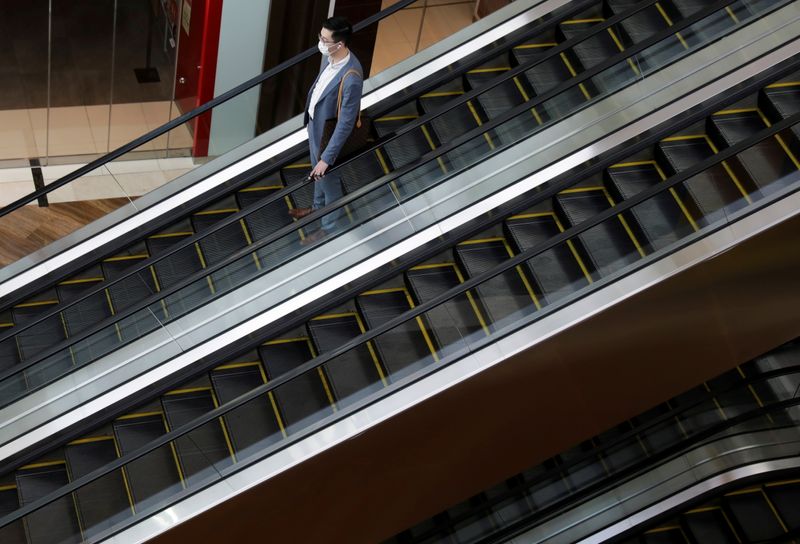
[(542, 74), (749, 406), (515, 267)]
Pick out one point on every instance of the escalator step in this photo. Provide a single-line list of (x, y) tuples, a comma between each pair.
[(296, 173), (713, 26), (704, 412), (404, 348), (785, 496), (732, 395), (218, 246), (606, 247), (360, 172), (709, 524), (593, 51), (103, 502), (155, 476), (355, 373), (501, 98), (779, 102), (660, 220), (764, 163), (753, 513), (9, 502), (84, 315), (583, 472), (455, 320), (641, 26), (267, 219), (664, 535), (203, 451), (254, 423), (56, 522), (174, 269), (658, 436), (410, 146), (625, 452), (556, 272), (305, 398), (39, 338), (130, 291), (9, 358), (547, 75), (504, 295), (707, 192)]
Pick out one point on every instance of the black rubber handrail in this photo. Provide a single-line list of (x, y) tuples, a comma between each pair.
[(214, 102), (380, 182), (406, 316)]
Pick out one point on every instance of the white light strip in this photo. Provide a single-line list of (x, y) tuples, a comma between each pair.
[(142, 218), (386, 256)]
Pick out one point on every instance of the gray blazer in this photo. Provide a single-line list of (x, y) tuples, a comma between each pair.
[(326, 109)]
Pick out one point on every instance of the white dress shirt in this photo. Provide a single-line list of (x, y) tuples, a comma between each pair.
[(325, 78)]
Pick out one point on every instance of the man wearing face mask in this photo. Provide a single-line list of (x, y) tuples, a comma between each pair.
[(321, 105)]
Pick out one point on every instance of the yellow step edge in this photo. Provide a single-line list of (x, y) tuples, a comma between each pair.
[(187, 390), (298, 165), (783, 482), (734, 111), (125, 258), (383, 291), (746, 491), (581, 21), (38, 303), (7, 487), (231, 366), (141, 415), (489, 70), (632, 163), (663, 529), (214, 212), (396, 118), (784, 84), (434, 265), (703, 509), (334, 316), (262, 188), (531, 215), (90, 440), (535, 45), (81, 280), (286, 340), (43, 464), (581, 190), (482, 241), (171, 234), (436, 94), (684, 138), (6, 325)]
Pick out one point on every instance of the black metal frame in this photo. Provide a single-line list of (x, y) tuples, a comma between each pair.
[(380, 182), (701, 112)]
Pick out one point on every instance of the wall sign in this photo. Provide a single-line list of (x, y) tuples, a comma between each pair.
[(186, 15)]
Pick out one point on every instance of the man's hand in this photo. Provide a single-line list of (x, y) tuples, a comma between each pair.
[(319, 170)]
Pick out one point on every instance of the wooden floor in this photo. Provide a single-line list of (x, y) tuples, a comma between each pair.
[(31, 228)]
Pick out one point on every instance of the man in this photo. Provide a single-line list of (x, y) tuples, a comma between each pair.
[(321, 103)]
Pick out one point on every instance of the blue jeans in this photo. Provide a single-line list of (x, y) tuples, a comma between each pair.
[(327, 189)]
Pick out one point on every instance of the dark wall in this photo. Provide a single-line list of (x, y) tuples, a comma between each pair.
[(643, 351)]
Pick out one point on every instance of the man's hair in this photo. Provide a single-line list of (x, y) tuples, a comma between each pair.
[(340, 28)]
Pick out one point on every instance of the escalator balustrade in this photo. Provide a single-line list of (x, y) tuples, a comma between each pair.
[(59, 341)]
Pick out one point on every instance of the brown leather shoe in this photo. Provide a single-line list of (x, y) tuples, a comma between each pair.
[(299, 213), (314, 237)]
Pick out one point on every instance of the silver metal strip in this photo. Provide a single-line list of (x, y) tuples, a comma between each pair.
[(471, 39), (451, 375), (49, 410)]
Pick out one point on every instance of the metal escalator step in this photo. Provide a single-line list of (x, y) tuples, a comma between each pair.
[(593, 51), (733, 395), (547, 489), (708, 524), (547, 75), (360, 172), (785, 496), (712, 26), (704, 411), (355, 373), (641, 26), (753, 514), (455, 320), (665, 535), (103, 502), (707, 192), (500, 99), (625, 452), (56, 522), (265, 221), (404, 348), (9, 358), (254, 423), (408, 147), (155, 476), (305, 398), (779, 102), (39, 338), (764, 163), (174, 269), (504, 295), (581, 471), (556, 272), (217, 246), (658, 436), (453, 124), (84, 315), (296, 173), (660, 220), (130, 291), (13, 533), (203, 451), (606, 247)]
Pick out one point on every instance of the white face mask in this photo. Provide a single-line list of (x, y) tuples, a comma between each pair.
[(323, 48)]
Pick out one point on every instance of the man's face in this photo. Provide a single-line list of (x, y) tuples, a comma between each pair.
[(326, 37)]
